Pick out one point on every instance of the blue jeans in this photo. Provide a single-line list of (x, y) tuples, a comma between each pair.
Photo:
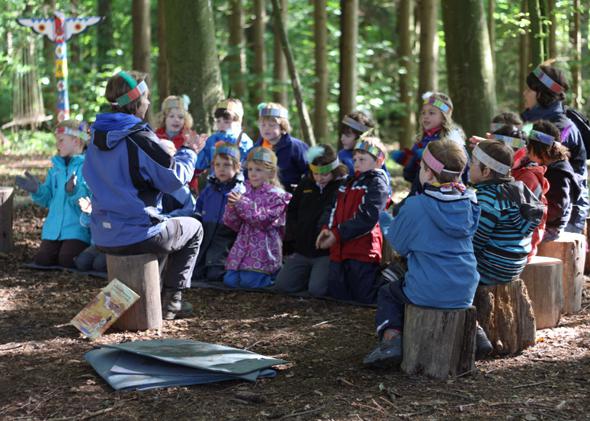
[(247, 279), (352, 280), (391, 304)]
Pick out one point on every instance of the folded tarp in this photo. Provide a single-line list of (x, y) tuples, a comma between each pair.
[(145, 365)]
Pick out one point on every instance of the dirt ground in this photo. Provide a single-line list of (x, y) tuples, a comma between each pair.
[(43, 374)]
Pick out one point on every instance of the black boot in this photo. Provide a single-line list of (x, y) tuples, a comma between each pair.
[(172, 305), (483, 346)]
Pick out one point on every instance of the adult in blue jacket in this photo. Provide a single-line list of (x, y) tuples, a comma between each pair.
[(128, 170)]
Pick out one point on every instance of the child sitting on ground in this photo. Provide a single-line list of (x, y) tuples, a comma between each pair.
[(307, 268), (211, 203), (544, 148), (62, 238), (274, 128), (258, 216), (434, 230), (353, 234)]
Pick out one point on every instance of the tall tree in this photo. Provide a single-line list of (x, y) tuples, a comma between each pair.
[(576, 43), (537, 36), (551, 15), (348, 51), (492, 28), (280, 65), (320, 112), (405, 71), (469, 70), (428, 71), (104, 34), (163, 82), (142, 33), (237, 56), (191, 49), (259, 91)]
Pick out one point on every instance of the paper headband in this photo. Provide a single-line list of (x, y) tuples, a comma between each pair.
[(490, 162), (80, 132), (431, 99), (498, 126), (355, 125), (181, 103), (227, 149), (367, 147), (514, 142), (325, 169), (434, 164), (137, 90), (264, 155), (541, 137), (272, 112), (231, 106), (547, 81)]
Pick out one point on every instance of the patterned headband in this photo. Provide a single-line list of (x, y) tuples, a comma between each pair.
[(227, 149), (353, 124), (514, 142), (430, 99), (367, 147), (541, 137), (273, 112), (325, 169), (434, 164), (80, 132), (137, 90), (498, 126), (490, 162), (264, 155), (547, 81)]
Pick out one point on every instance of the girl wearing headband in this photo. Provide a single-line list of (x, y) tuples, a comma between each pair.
[(258, 216), (129, 169), (62, 237), (274, 126), (564, 185), (544, 94), (306, 269), (434, 231)]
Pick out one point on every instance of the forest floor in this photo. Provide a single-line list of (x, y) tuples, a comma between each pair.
[(43, 374)]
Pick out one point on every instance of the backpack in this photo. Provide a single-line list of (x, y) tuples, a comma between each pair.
[(582, 123)]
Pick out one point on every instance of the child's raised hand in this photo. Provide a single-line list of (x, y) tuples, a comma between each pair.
[(233, 197), (85, 204), (474, 140), (195, 141), (28, 183), (325, 240)]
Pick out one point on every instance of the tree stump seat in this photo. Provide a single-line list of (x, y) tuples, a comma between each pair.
[(6, 217), (543, 279), (140, 273), (438, 342), (571, 250), (505, 313)]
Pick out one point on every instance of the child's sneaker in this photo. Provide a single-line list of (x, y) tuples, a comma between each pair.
[(483, 346), (387, 352)]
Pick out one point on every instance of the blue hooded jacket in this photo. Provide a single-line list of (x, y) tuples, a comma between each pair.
[(205, 158), (63, 219), (434, 230), (127, 171)]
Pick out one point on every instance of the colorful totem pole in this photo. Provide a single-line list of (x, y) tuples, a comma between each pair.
[(60, 29)]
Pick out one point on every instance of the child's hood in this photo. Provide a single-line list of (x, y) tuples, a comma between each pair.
[(116, 126), (455, 214)]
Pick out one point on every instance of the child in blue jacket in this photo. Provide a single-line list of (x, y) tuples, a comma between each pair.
[(434, 231), (217, 238), (62, 238)]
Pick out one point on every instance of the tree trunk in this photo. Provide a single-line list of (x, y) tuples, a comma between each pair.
[(140, 16), (552, 29), (305, 121), (348, 51), (471, 87), (280, 65), (523, 53), (163, 71), (236, 55), (6, 217), (492, 29), (259, 92), (405, 72), (537, 36), (542, 277), (428, 72), (192, 55), (104, 34), (320, 113), (576, 43)]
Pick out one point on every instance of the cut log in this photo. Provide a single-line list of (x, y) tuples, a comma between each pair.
[(505, 313), (438, 342), (571, 250), (543, 279), (6, 217), (587, 235), (140, 273)]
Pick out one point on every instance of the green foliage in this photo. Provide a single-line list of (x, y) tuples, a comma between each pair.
[(25, 142)]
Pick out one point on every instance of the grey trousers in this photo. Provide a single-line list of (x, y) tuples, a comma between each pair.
[(300, 273)]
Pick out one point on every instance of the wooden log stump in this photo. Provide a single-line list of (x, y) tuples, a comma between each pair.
[(543, 279), (587, 235), (571, 250), (505, 313), (438, 342), (6, 217), (140, 273)]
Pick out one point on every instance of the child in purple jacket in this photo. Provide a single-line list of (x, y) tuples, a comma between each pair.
[(258, 216)]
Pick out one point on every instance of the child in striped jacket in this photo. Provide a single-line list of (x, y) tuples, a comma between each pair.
[(509, 214)]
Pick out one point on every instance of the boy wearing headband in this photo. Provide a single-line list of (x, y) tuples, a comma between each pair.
[(274, 126), (128, 169), (62, 238), (354, 125), (565, 186), (434, 230), (353, 234)]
